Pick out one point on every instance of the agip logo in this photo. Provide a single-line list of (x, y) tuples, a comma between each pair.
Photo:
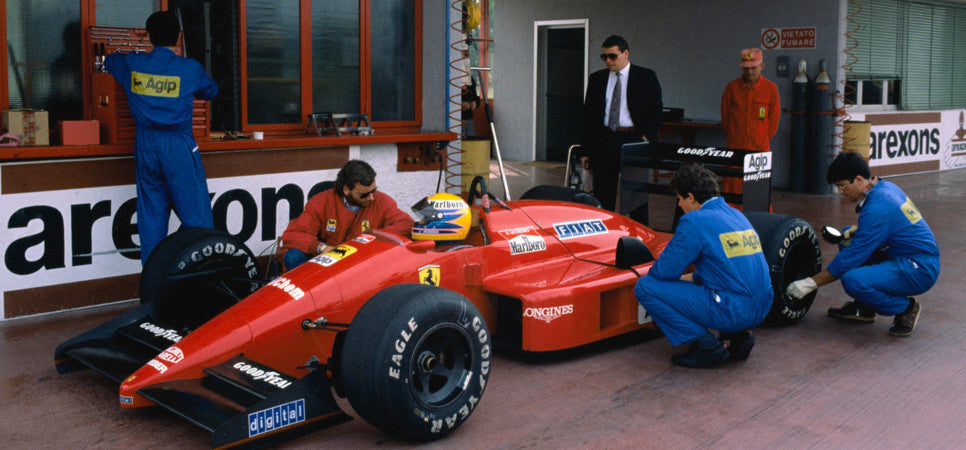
[(155, 85), (740, 243)]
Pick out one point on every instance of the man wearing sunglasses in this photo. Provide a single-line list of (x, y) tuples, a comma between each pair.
[(353, 206), (890, 256), (622, 105)]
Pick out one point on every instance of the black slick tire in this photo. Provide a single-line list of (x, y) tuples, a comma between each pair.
[(415, 361), (196, 273), (792, 252)]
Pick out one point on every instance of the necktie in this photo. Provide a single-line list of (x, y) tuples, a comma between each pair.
[(614, 115)]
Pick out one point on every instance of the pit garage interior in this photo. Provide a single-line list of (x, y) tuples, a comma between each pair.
[(818, 383)]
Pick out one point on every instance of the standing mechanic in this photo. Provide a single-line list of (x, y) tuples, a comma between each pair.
[(623, 104), (891, 255), (352, 207), (730, 288), (160, 88), (750, 109)]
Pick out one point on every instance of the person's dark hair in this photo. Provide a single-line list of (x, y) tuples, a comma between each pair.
[(163, 28), (847, 166), (696, 179), (352, 173), (613, 40)]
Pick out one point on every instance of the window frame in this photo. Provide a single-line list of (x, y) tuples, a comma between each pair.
[(305, 70)]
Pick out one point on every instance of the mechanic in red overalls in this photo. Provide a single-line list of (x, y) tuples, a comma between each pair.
[(161, 87), (730, 288), (750, 109), (352, 207)]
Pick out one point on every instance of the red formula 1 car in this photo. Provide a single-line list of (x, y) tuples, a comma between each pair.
[(404, 329)]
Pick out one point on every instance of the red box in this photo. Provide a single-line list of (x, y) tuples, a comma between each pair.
[(79, 132)]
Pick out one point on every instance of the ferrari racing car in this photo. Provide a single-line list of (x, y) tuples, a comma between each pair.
[(403, 328)]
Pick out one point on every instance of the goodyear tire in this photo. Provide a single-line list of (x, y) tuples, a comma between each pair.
[(792, 251), (196, 273), (561, 193), (415, 361)]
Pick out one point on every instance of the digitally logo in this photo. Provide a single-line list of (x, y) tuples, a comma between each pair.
[(580, 228), (172, 355), (277, 417), (430, 275), (330, 225), (125, 400), (288, 287), (524, 240), (740, 243), (364, 238), (335, 255), (549, 313)]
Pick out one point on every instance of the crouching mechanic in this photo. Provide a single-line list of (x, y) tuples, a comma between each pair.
[(891, 255), (729, 290), (353, 206)]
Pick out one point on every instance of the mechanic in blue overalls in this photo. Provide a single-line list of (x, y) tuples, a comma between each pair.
[(730, 288), (161, 87), (889, 257)]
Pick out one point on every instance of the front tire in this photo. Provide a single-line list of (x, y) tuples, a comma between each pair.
[(792, 252), (415, 361), (196, 273)]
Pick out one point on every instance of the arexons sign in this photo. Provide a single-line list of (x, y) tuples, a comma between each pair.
[(64, 236)]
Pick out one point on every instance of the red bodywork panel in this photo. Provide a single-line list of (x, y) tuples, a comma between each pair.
[(555, 258)]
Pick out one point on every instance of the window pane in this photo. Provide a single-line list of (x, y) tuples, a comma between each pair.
[(393, 60), (272, 35), (43, 56), (335, 57), (872, 92), (124, 13)]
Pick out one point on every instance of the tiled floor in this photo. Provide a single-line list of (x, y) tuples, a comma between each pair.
[(814, 384)]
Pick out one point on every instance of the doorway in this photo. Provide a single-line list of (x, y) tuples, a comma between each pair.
[(560, 75)]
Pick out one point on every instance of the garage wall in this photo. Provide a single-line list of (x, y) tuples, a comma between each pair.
[(693, 46)]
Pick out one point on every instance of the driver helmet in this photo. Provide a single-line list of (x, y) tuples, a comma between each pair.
[(441, 217)]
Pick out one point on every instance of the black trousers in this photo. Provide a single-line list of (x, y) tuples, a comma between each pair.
[(605, 161)]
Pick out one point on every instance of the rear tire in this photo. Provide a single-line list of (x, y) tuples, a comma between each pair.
[(172, 276), (415, 361), (792, 252)]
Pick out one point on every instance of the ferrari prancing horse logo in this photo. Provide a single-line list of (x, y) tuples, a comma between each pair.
[(429, 275)]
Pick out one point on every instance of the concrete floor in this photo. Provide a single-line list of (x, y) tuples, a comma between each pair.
[(815, 384)]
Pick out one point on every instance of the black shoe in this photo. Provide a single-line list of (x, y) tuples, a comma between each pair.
[(699, 357), (853, 312), (904, 323), (740, 344)]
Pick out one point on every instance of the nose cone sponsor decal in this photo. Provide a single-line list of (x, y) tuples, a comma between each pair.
[(580, 228), (549, 313), (172, 355), (364, 238), (335, 255), (524, 240)]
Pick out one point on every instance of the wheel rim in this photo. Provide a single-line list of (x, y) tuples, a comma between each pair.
[(441, 363), (804, 266)]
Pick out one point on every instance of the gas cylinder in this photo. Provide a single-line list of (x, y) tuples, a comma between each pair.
[(800, 136), (822, 119)]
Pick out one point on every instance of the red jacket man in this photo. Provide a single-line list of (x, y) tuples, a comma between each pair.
[(352, 207)]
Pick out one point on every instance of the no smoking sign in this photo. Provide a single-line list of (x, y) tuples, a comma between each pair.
[(788, 38)]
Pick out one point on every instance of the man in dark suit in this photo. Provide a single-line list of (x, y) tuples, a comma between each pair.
[(608, 124)]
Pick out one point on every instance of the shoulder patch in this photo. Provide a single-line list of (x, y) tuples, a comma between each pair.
[(740, 243), (909, 209)]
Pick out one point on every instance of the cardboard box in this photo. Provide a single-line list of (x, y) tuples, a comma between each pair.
[(78, 132), (30, 124)]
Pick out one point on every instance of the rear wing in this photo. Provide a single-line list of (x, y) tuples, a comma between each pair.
[(638, 179)]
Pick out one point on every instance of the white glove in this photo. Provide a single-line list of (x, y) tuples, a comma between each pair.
[(801, 288), (847, 236)]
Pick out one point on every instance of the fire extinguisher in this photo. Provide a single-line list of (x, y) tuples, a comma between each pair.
[(822, 112), (800, 138)]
